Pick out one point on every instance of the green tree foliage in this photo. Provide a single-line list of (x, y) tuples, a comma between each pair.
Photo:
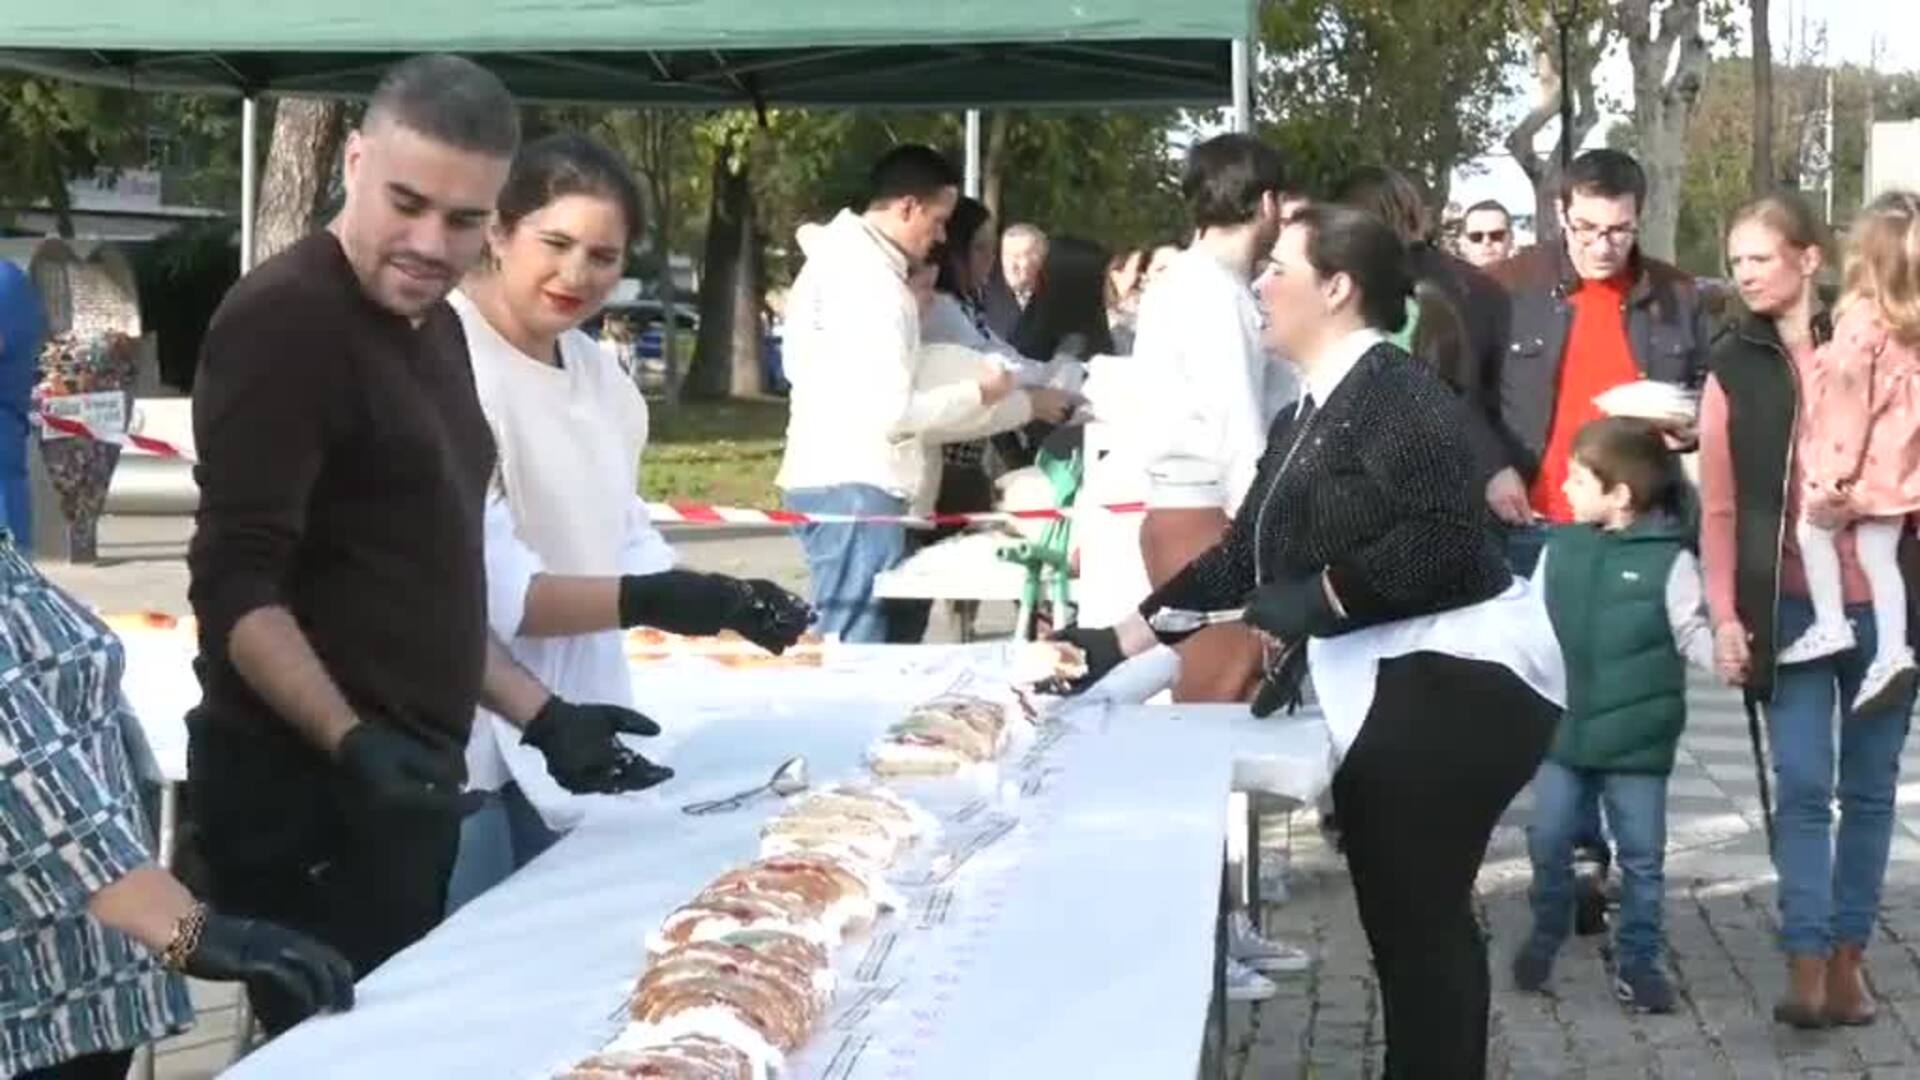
[(53, 131), (1415, 84), (1720, 160)]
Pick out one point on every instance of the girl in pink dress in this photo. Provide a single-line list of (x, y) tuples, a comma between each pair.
[(1860, 445)]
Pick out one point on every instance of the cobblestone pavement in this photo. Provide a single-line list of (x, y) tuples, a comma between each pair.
[(1720, 923)]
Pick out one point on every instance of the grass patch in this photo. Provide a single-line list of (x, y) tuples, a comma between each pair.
[(723, 452)]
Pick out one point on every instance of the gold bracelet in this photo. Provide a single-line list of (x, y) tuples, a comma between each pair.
[(186, 938)]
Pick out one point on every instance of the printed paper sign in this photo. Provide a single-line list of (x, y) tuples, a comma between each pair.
[(104, 412)]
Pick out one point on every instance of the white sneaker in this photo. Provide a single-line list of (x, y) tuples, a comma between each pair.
[(1246, 984), (1817, 643), (1248, 947), (1886, 682)]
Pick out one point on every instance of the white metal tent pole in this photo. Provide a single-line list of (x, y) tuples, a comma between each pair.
[(1242, 85), (973, 153), (249, 179)]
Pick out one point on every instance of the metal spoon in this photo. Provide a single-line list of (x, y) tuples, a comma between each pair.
[(1183, 621), (789, 779)]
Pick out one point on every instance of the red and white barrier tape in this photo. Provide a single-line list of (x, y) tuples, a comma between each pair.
[(159, 447), (678, 512)]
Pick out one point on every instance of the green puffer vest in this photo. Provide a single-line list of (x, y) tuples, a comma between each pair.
[(1626, 681)]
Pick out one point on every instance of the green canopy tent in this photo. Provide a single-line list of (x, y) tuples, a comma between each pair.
[(686, 53), (660, 52)]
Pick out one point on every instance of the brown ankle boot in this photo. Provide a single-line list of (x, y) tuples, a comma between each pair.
[(1848, 1000), (1805, 1002)]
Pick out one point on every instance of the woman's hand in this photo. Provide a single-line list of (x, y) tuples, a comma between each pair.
[(1105, 648), (1732, 659)]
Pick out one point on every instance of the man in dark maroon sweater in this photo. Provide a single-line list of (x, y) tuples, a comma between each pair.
[(337, 568)]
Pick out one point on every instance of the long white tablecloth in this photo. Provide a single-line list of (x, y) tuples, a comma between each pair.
[(1093, 915)]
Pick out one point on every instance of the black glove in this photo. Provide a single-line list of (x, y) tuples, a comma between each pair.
[(1294, 609), (1100, 646), (396, 769), (308, 974), (583, 751), (686, 602), (1282, 684), (771, 618)]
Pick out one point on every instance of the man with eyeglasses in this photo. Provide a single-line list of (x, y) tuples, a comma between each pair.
[(1486, 234), (1587, 313)]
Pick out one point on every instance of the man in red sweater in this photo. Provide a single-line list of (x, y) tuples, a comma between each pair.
[(1587, 313)]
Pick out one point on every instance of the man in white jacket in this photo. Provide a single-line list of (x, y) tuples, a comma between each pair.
[(856, 417)]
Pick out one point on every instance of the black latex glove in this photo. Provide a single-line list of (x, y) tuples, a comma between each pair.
[(307, 973), (395, 769), (771, 617), (1282, 684), (1294, 609), (584, 752), (1100, 646), (686, 602)]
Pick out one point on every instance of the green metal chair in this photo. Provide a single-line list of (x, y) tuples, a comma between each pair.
[(1048, 560)]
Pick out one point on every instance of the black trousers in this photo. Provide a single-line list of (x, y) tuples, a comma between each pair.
[(964, 489), (1446, 746), (286, 839)]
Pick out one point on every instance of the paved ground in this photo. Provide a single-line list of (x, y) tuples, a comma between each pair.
[(1720, 924), (1325, 1024)]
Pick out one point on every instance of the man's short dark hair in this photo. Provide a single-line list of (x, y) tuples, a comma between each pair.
[(1607, 174), (1488, 204), (920, 172), (450, 100), (1225, 178)]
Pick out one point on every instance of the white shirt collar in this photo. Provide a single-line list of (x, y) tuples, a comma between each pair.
[(1341, 356)]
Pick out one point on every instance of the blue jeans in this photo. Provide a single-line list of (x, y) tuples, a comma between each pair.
[(1524, 544), (1830, 889), (502, 836), (1636, 806), (843, 560)]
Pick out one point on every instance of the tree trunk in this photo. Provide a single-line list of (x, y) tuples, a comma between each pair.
[(993, 165), (669, 293), (1663, 106), (307, 133), (726, 359), (59, 199), (1549, 84), (1761, 179)]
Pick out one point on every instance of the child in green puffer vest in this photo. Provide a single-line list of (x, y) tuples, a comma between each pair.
[(1625, 597)]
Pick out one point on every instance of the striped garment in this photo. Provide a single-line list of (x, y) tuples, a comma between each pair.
[(72, 760)]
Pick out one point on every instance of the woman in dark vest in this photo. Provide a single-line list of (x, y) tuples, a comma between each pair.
[(1829, 889), (1365, 538)]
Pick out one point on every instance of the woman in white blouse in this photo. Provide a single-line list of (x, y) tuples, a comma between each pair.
[(572, 557)]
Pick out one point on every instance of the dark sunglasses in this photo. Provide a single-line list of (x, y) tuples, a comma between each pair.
[(1495, 236)]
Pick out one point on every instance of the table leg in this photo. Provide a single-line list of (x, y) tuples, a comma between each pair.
[(1250, 887), (1213, 1047)]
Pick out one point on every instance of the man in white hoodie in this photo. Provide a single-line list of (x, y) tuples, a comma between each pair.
[(856, 416)]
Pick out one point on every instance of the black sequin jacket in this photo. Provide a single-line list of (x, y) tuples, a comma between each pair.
[(1381, 496)]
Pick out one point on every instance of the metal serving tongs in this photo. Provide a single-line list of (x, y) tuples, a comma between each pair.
[(789, 779), (1184, 621)]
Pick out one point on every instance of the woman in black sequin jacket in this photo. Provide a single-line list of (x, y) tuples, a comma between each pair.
[(1366, 532)]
